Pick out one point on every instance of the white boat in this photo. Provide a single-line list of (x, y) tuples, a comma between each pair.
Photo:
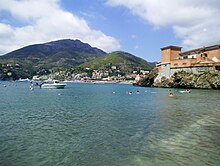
[(23, 80), (185, 91), (54, 85)]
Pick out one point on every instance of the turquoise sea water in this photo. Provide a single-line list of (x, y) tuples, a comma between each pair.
[(102, 125)]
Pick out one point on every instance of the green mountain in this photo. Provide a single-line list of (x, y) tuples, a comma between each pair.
[(121, 60), (56, 54), (40, 58), (66, 55)]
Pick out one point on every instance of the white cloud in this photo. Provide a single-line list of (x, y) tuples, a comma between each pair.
[(196, 22), (43, 21)]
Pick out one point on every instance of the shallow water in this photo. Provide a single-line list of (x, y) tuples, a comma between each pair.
[(101, 124)]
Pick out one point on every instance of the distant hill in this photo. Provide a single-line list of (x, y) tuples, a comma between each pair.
[(40, 58), (122, 60), (61, 53)]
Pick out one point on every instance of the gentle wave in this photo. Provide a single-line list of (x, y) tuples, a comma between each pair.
[(88, 124)]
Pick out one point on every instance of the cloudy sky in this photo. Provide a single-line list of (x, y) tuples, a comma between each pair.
[(140, 27)]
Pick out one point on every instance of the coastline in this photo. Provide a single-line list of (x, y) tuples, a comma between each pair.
[(99, 82)]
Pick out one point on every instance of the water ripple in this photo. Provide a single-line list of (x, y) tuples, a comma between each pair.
[(90, 125)]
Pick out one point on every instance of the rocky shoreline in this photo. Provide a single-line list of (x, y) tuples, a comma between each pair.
[(207, 80)]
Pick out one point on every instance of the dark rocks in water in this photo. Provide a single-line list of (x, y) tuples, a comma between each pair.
[(207, 80), (178, 80), (148, 81)]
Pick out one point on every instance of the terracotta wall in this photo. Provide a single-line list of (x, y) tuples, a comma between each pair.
[(182, 63), (168, 55), (213, 53), (165, 56)]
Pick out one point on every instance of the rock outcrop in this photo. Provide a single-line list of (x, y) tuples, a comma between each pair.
[(148, 81), (207, 80)]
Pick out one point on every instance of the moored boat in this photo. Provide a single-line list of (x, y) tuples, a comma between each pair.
[(54, 85)]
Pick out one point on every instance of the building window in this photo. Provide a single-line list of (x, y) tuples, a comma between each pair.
[(184, 63), (175, 64), (217, 68)]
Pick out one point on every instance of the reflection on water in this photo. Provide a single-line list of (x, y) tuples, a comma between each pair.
[(88, 124)]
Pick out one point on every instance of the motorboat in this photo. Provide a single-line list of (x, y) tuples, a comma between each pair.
[(54, 85), (185, 91), (23, 80)]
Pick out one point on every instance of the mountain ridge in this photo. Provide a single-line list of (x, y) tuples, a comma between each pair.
[(41, 59), (120, 59), (53, 47), (33, 59)]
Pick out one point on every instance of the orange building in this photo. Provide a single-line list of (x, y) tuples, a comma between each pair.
[(194, 61)]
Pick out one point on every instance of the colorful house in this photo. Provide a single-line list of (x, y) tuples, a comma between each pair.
[(195, 61)]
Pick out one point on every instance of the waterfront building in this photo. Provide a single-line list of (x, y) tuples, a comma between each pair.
[(196, 61)]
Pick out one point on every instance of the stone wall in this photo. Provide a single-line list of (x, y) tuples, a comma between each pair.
[(182, 79), (165, 70), (193, 70), (168, 72)]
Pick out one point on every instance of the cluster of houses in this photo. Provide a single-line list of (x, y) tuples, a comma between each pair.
[(104, 76), (101, 75)]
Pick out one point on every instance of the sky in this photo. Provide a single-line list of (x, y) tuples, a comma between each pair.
[(140, 27)]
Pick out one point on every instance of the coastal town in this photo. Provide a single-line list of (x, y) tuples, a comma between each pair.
[(107, 76), (173, 60)]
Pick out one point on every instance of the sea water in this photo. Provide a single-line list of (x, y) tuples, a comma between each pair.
[(105, 124)]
